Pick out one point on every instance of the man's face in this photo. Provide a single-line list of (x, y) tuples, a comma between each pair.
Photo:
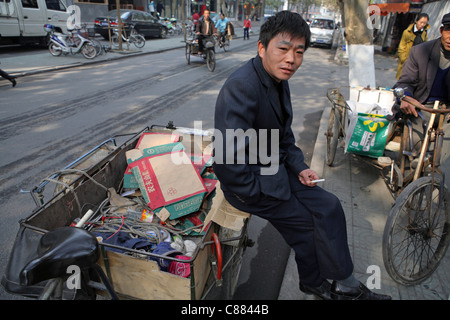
[(206, 14), (283, 56), (445, 37)]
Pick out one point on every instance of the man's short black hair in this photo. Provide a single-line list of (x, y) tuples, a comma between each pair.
[(285, 22)]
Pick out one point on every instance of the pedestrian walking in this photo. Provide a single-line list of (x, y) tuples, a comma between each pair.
[(151, 8), (415, 34), (247, 26), (159, 8)]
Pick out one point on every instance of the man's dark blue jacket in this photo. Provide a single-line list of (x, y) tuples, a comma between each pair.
[(251, 100)]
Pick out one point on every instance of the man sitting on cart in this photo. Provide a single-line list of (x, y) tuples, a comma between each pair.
[(205, 29), (256, 99)]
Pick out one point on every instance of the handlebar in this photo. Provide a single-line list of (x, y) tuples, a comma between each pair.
[(400, 93)]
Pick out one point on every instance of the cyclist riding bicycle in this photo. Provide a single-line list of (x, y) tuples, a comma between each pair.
[(205, 29), (426, 78), (221, 26)]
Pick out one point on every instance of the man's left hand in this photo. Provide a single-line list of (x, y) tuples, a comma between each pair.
[(308, 175)]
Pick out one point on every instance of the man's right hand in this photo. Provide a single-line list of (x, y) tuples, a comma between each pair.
[(408, 108)]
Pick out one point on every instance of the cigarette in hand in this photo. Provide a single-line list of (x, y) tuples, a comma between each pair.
[(318, 180)]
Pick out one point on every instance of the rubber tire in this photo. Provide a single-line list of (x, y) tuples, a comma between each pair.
[(115, 41), (226, 44), (139, 41), (54, 49), (88, 51), (211, 60), (163, 33), (414, 234), (332, 135), (188, 53)]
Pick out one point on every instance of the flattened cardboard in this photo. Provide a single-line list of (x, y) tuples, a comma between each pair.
[(225, 214), (175, 185)]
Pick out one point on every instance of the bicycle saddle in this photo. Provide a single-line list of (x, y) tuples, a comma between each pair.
[(57, 250)]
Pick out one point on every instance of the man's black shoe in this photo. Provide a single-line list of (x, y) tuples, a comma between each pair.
[(322, 291), (340, 292)]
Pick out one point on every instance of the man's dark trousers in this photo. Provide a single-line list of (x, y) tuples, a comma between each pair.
[(319, 237)]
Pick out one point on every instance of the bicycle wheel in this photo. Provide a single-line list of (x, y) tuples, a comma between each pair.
[(88, 51), (54, 49), (98, 46), (139, 41), (417, 231), (211, 60), (188, 53), (115, 40), (226, 44), (233, 258), (332, 134)]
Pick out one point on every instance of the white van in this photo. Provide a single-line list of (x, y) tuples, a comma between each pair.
[(322, 31), (22, 21)]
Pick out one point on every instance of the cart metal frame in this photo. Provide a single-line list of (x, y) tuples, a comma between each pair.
[(61, 210)]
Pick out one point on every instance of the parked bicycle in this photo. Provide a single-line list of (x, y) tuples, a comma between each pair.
[(61, 43), (417, 230), (101, 48), (135, 38)]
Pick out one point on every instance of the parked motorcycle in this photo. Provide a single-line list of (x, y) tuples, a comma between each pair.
[(61, 43)]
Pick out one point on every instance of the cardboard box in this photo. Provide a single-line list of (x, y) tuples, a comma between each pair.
[(147, 140), (169, 181)]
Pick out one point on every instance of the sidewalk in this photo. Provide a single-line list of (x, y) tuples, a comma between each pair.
[(366, 202)]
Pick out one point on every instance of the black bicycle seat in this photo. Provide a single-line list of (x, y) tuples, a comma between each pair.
[(57, 250)]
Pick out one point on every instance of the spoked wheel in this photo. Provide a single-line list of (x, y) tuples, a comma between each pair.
[(98, 46), (332, 134), (88, 51), (139, 41), (211, 60), (188, 53), (417, 231), (226, 44), (54, 49), (115, 40)]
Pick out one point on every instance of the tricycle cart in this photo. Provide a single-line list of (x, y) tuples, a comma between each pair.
[(88, 185), (417, 231), (209, 55)]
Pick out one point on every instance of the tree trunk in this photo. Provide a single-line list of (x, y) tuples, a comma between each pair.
[(356, 16)]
